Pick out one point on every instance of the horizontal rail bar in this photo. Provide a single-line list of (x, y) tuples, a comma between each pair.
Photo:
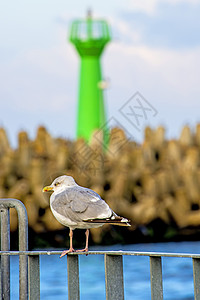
[(128, 253)]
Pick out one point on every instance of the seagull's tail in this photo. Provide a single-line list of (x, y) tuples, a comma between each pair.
[(113, 220)]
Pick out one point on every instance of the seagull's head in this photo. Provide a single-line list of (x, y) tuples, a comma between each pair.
[(60, 184)]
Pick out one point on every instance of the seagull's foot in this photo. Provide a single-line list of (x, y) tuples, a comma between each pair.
[(82, 250), (66, 252)]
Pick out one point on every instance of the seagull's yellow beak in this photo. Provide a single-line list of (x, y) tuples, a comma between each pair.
[(47, 189)]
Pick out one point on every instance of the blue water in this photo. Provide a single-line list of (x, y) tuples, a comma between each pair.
[(177, 274)]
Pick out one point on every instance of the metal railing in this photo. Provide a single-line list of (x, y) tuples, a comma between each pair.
[(5, 205), (29, 264)]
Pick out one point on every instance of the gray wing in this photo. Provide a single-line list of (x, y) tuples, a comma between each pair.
[(79, 204)]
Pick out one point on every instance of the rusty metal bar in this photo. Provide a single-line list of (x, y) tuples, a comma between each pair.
[(73, 277), (114, 277)]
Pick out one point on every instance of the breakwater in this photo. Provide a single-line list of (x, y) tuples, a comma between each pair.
[(156, 184)]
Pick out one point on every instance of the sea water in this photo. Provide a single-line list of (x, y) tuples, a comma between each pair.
[(177, 273)]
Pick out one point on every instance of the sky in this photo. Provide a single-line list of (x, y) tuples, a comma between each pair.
[(154, 56)]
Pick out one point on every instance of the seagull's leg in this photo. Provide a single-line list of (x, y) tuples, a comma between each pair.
[(71, 249), (87, 238), (86, 245)]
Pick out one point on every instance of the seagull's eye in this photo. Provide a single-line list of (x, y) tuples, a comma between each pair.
[(57, 183)]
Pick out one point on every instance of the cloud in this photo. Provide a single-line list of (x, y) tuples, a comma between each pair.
[(174, 25), (40, 77), (151, 7), (168, 79)]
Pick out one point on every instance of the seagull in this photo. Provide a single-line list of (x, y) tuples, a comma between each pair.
[(75, 206)]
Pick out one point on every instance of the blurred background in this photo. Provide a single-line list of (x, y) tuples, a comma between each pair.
[(150, 169)]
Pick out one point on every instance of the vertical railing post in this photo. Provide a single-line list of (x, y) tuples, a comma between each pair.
[(156, 278), (196, 278), (0, 280), (73, 277), (34, 277), (5, 260), (114, 277), (23, 246)]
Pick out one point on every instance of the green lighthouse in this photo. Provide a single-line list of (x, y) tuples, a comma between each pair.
[(90, 37)]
